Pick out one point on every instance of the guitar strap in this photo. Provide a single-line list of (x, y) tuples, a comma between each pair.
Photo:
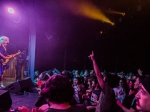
[(6, 53), (5, 67)]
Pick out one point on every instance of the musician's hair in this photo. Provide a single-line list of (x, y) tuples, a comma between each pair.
[(3, 38)]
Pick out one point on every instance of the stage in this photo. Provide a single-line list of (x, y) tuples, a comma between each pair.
[(26, 99), (7, 81)]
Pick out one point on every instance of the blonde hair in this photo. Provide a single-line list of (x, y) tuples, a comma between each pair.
[(3, 38)]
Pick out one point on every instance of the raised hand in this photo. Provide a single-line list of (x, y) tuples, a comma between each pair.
[(97, 70), (91, 56), (140, 72)]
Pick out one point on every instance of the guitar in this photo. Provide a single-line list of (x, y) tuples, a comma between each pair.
[(5, 61)]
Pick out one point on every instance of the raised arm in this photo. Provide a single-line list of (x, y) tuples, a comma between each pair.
[(97, 70)]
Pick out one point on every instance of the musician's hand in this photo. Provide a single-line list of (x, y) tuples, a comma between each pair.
[(9, 56)]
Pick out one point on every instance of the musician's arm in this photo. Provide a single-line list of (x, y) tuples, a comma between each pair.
[(6, 57), (3, 56)]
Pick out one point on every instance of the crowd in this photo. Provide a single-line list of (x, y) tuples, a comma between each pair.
[(92, 91)]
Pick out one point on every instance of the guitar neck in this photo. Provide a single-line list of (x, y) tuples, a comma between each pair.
[(16, 54)]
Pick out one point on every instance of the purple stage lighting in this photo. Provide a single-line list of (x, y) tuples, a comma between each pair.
[(10, 10)]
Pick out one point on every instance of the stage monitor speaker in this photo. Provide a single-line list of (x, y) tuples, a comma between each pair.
[(20, 86), (5, 100)]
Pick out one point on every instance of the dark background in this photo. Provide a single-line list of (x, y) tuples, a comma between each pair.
[(65, 40)]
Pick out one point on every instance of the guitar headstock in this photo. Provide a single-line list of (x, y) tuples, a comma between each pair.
[(19, 51)]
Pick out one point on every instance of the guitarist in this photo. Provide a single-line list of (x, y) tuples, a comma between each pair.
[(3, 52), (20, 60)]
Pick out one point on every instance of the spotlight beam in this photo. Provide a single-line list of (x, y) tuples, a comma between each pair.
[(116, 12), (88, 10)]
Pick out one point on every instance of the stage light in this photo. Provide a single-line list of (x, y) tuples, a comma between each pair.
[(116, 12), (101, 32), (123, 14), (16, 17), (10, 10), (88, 10)]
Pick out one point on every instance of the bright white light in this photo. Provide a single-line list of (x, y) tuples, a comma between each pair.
[(10, 10)]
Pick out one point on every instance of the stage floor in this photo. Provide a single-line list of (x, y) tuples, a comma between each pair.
[(6, 81), (27, 99)]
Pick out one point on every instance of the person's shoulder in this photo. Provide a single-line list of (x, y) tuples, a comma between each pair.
[(107, 87), (79, 108), (74, 108)]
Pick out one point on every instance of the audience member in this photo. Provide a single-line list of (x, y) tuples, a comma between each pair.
[(133, 103), (107, 101), (120, 92), (92, 102), (130, 95), (59, 92), (143, 96), (79, 90), (36, 77), (41, 99)]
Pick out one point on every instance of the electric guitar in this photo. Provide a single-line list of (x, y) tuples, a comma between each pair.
[(5, 61)]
